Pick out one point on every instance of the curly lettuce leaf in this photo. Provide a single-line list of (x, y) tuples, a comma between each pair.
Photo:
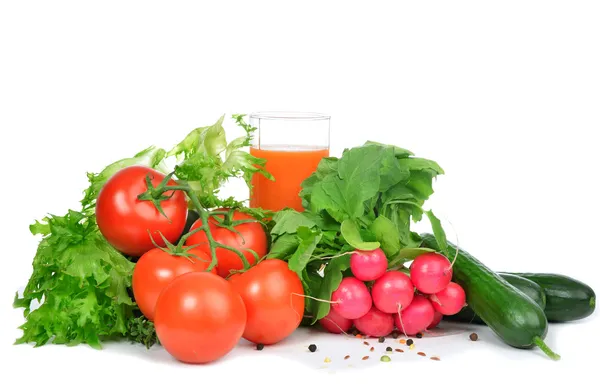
[(81, 282)]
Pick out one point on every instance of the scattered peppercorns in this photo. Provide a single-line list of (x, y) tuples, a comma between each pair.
[(395, 334), (389, 349), (260, 347), (409, 342), (381, 339), (312, 348), (473, 336), (419, 335), (355, 332)]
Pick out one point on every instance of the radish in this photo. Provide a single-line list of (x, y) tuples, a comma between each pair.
[(450, 300), (334, 323), (375, 323), (437, 318), (368, 265), (416, 317), (392, 292), (352, 299), (431, 272)]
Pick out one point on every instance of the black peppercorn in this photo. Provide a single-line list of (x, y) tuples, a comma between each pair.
[(260, 346), (381, 339), (409, 342), (389, 349), (312, 348), (419, 335)]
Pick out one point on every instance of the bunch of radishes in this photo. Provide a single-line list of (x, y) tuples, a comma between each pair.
[(375, 300)]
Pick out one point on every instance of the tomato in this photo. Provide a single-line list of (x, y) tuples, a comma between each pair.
[(156, 269), (199, 317), (124, 220), (274, 300), (249, 236)]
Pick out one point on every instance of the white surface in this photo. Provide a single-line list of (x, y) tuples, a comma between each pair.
[(504, 95)]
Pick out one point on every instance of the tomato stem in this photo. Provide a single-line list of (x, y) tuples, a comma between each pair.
[(156, 194)]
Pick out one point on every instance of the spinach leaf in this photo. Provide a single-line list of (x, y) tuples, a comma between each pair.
[(283, 247), (332, 277), (343, 194), (438, 232), (420, 164), (387, 235), (351, 233), (288, 221), (308, 242)]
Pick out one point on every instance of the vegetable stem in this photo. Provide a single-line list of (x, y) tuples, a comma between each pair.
[(540, 343)]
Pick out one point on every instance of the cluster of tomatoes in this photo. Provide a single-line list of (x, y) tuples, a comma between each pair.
[(199, 315)]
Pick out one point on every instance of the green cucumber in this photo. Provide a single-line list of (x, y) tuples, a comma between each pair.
[(528, 287), (510, 314), (567, 299)]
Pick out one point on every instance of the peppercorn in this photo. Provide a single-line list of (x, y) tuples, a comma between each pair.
[(409, 342), (381, 339), (312, 347), (395, 334), (389, 349), (260, 347), (473, 337), (419, 335)]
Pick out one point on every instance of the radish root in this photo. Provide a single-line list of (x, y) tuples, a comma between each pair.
[(400, 319)]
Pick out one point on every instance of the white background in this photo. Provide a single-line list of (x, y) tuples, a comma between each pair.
[(504, 95)]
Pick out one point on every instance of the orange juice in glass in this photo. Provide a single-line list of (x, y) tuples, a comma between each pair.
[(293, 144)]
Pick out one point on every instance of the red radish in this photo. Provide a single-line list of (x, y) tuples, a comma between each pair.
[(375, 323), (416, 317), (352, 299), (334, 323), (437, 318), (392, 291), (450, 300), (368, 265), (430, 272)]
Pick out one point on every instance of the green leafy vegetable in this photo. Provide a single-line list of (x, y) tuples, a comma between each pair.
[(331, 281), (82, 283), (351, 233), (387, 235), (308, 242), (366, 199)]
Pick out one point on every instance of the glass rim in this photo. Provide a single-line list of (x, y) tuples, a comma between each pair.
[(288, 115)]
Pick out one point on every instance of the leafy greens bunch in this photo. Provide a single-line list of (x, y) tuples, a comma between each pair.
[(366, 199), (80, 287)]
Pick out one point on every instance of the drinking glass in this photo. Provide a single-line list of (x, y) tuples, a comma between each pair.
[(293, 144)]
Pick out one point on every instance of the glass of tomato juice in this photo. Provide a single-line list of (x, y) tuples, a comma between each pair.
[(293, 144)]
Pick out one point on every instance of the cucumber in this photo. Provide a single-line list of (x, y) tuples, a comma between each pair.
[(567, 299), (528, 287), (510, 314)]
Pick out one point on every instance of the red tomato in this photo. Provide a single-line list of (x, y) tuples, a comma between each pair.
[(156, 269), (274, 300), (250, 236), (199, 317), (124, 220)]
